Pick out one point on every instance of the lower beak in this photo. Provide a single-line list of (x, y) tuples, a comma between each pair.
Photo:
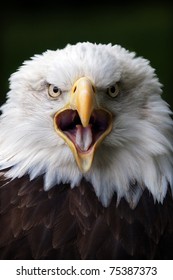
[(82, 124)]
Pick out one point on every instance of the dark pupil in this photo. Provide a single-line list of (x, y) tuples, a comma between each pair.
[(112, 89), (55, 89)]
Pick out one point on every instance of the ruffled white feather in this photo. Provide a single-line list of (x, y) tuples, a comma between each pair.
[(137, 154)]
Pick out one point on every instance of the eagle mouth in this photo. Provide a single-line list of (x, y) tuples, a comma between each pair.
[(68, 123)]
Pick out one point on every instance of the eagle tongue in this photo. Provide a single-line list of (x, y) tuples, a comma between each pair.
[(84, 137)]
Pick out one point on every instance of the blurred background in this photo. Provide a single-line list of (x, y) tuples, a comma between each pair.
[(32, 27)]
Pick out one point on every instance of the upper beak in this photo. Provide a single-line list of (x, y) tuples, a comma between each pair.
[(82, 123), (83, 99)]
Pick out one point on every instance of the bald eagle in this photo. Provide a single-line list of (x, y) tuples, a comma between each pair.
[(86, 158)]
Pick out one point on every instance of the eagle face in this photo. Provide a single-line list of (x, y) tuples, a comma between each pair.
[(92, 111)]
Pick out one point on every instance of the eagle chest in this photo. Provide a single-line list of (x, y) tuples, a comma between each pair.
[(66, 223)]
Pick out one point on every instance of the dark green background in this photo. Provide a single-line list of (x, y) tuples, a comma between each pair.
[(35, 26)]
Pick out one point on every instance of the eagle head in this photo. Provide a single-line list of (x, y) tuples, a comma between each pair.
[(90, 111)]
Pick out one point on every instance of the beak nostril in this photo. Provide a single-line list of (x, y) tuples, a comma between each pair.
[(93, 88), (74, 89)]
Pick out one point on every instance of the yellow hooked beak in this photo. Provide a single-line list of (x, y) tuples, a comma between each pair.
[(83, 99), (82, 124)]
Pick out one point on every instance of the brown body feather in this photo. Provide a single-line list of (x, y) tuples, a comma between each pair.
[(66, 223)]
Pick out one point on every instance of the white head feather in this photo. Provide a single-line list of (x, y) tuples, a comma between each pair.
[(139, 149)]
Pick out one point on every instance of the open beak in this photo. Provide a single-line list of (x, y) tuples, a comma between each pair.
[(82, 124)]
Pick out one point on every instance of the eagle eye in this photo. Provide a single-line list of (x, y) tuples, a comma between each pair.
[(53, 91), (113, 90)]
